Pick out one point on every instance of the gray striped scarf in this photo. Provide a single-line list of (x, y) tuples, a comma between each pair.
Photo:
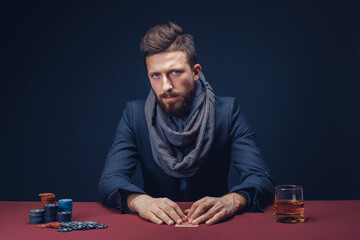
[(180, 146)]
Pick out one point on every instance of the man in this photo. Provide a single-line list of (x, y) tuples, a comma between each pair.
[(184, 138)]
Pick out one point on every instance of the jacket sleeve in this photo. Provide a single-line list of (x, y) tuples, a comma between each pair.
[(115, 182), (246, 156)]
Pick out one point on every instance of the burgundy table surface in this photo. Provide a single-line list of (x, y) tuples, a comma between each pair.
[(325, 220)]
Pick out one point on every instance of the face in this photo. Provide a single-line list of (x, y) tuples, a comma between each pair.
[(173, 81)]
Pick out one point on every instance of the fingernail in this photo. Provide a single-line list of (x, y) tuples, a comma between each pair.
[(160, 222), (184, 218), (179, 220), (195, 222), (190, 220), (170, 222)]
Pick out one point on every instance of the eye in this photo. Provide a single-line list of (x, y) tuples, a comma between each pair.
[(156, 75), (175, 72)]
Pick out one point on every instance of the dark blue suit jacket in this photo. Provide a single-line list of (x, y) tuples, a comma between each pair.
[(234, 141)]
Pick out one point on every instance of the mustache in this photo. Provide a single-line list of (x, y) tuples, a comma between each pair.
[(168, 94)]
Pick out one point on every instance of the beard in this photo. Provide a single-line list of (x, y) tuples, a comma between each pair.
[(180, 107)]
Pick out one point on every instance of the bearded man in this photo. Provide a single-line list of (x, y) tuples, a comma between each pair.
[(184, 138)]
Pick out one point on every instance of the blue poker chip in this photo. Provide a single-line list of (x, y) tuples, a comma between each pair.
[(65, 205), (64, 213), (66, 224), (75, 222), (65, 229), (91, 222), (101, 226), (63, 217), (50, 211), (79, 226), (37, 212), (36, 216), (92, 226)]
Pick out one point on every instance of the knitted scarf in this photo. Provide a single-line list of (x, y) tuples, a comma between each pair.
[(180, 145)]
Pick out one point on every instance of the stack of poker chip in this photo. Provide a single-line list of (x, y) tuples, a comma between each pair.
[(50, 211), (36, 216), (63, 217), (87, 225), (66, 205), (47, 198)]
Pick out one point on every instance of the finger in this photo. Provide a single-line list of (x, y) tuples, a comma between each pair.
[(194, 206), (171, 212), (186, 211), (199, 211), (163, 216), (207, 215), (153, 218), (180, 213), (190, 211), (170, 206), (216, 218)]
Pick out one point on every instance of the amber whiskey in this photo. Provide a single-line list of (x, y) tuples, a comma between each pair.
[(288, 211)]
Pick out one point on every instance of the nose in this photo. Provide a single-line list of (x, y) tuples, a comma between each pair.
[(167, 84)]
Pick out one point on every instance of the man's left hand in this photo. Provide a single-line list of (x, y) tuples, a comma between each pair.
[(212, 210)]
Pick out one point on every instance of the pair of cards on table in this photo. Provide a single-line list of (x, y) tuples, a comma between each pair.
[(185, 224)]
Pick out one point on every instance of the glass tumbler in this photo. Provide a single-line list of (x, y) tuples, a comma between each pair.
[(289, 204)]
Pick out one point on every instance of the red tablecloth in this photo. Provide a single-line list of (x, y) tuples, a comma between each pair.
[(326, 220)]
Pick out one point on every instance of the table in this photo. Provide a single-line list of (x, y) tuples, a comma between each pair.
[(325, 220)]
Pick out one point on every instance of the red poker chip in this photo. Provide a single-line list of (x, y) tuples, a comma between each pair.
[(47, 198), (47, 195)]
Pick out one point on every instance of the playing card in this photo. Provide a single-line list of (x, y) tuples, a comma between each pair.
[(185, 224)]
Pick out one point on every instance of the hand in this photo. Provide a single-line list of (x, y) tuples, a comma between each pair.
[(213, 210), (156, 210)]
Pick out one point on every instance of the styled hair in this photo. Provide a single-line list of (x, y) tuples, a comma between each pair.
[(165, 38)]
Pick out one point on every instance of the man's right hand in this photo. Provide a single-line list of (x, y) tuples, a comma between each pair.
[(156, 210)]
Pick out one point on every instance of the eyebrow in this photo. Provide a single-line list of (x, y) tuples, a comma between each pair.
[(172, 68), (151, 73)]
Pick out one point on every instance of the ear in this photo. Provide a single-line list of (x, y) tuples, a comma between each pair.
[(196, 71)]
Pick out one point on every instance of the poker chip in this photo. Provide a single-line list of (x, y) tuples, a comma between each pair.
[(66, 224), (91, 222), (50, 212), (59, 215), (47, 198), (87, 225), (65, 229), (49, 225), (63, 217), (65, 205), (37, 211), (36, 216), (80, 226), (101, 226), (92, 226), (75, 222)]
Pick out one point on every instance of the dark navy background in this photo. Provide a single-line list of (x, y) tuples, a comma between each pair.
[(68, 69)]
